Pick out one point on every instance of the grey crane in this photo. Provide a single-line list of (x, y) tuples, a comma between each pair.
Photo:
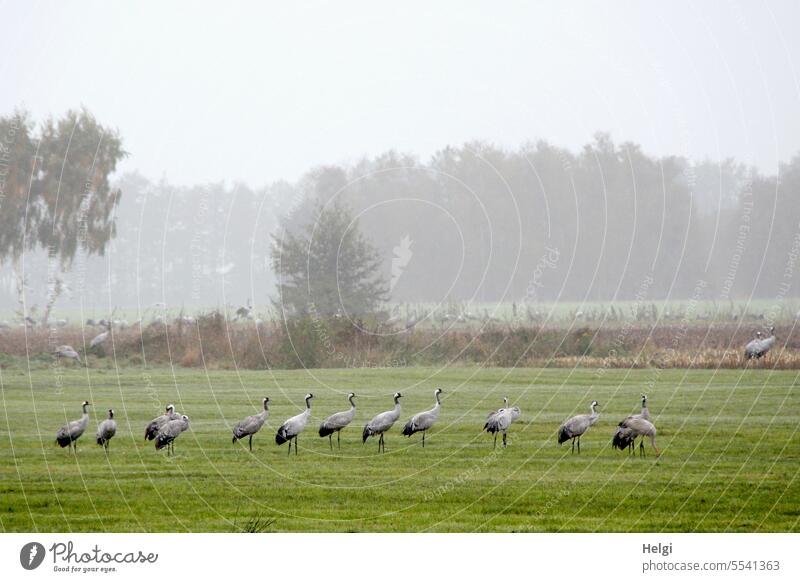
[(412, 319), (68, 352), (151, 430), (252, 424), (106, 430), (500, 421), (336, 422), (169, 432), (758, 347), (751, 349), (574, 427), (292, 428), (645, 414), (632, 427), (382, 422), (494, 412), (101, 338), (72, 431), (422, 421)]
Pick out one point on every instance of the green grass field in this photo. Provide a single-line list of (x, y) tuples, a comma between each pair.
[(730, 441)]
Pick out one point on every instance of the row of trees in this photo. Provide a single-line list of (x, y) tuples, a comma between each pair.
[(473, 223), (543, 223)]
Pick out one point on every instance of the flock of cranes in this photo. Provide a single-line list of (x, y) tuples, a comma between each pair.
[(169, 426), (166, 428)]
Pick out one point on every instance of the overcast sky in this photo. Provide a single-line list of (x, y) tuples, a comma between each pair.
[(241, 92)]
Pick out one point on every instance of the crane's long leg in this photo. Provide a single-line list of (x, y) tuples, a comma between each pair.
[(289, 452), (495, 440), (579, 445), (642, 452), (423, 439), (250, 443), (338, 439), (295, 446), (504, 439), (330, 441), (573, 445)]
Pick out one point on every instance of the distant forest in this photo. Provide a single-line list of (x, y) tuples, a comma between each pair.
[(472, 223)]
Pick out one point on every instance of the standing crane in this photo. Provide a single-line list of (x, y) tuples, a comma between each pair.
[(151, 430), (252, 424), (758, 347), (169, 432), (500, 421), (494, 412), (292, 428), (645, 414), (68, 352), (72, 431), (574, 427), (106, 430), (101, 338), (336, 422), (422, 421), (382, 422), (632, 427)]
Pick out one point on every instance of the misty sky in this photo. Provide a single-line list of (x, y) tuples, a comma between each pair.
[(231, 91)]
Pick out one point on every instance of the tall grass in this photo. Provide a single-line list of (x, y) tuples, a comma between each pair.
[(212, 341)]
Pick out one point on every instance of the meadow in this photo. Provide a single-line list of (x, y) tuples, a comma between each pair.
[(729, 438)]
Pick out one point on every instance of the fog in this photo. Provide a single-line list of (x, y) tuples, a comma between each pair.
[(469, 128), (253, 93)]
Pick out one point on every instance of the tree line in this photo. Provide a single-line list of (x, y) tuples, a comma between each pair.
[(541, 223), (471, 223)]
